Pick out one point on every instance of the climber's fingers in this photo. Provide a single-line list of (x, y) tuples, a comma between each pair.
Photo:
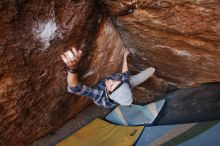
[(77, 54), (65, 60), (71, 57), (126, 52), (80, 52)]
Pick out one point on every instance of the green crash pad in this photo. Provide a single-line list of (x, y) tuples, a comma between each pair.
[(102, 133)]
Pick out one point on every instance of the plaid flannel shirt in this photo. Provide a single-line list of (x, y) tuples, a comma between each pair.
[(98, 93)]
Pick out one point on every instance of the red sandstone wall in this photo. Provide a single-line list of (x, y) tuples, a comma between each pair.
[(181, 39), (33, 34)]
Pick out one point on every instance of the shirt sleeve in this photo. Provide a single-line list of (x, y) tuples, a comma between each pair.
[(84, 90), (124, 77)]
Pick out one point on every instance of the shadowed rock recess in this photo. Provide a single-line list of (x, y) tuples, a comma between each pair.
[(181, 39)]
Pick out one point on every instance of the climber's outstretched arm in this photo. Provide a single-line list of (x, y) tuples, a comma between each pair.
[(125, 62), (71, 59)]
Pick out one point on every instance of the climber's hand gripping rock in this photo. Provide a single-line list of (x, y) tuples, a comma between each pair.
[(72, 57)]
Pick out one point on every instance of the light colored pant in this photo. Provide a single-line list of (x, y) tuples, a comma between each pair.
[(142, 76)]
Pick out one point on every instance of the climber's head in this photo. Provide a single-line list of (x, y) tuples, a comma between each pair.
[(119, 92)]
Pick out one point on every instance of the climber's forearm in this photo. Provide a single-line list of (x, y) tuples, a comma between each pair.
[(71, 58), (125, 65), (72, 79), (125, 62)]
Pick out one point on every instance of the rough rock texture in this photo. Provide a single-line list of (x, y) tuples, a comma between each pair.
[(180, 38), (33, 97)]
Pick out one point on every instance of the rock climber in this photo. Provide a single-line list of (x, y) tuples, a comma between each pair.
[(109, 91)]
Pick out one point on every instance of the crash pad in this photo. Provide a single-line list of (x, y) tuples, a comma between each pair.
[(135, 114), (192, 104), (192, 134), (102, 133)]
